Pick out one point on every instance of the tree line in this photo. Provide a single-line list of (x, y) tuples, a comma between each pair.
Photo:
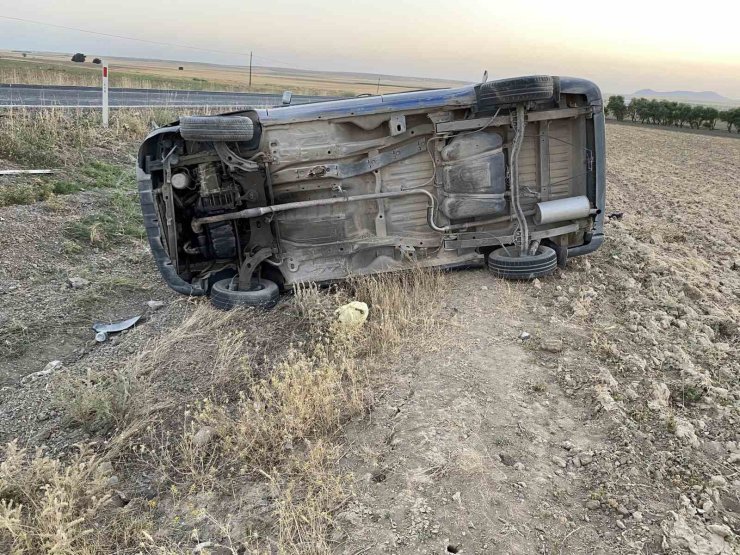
[(666, 112)]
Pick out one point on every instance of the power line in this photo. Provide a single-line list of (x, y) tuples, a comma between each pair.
[(148, 41)]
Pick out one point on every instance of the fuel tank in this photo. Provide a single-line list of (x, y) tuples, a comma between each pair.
[(474, 174)]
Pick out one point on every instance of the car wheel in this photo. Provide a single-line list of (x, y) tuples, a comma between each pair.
[(505, 264), (225, 296), (217, 128), (514, 91)]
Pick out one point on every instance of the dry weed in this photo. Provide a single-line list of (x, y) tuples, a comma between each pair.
[(403, 305), (99, 403), (50, 507)]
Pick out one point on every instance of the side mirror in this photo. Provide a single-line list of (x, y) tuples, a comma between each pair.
[(287, 97)]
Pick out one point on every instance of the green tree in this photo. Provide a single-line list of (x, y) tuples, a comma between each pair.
[(79, 57), (710, 117), (617, 107), (683, 113), (643, 109), (632, 109), (696, 117), (731, 118)]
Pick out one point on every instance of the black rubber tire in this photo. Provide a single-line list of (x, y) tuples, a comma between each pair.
[(226, 298), (514, 91), (233, 129), (505, 264)]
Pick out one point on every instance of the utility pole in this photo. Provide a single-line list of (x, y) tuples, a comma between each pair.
[(250, 69), (378, 91)]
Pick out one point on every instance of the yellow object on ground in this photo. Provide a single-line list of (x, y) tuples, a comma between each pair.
[(352, 314)]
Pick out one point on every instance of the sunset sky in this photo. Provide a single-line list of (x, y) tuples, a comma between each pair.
[(623, 46)]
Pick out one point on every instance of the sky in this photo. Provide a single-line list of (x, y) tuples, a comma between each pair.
[(623, 46)]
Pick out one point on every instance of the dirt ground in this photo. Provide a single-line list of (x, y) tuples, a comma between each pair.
[(593, 412)]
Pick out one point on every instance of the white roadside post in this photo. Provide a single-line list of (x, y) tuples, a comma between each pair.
[(105, 94)]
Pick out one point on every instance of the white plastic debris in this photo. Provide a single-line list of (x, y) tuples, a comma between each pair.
[(352, 315)]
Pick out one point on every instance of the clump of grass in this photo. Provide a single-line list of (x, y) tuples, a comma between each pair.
[(93, 175), (401, 304), (310, 493), (65, 187), (27, 192), (104, 175), (58, 137), (47, 506), (306, 397), (99, 403), (118, 220)]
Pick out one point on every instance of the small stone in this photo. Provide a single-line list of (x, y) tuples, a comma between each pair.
[(203, 436), (721, 530), (718, 481), (558, 461), (155, 305), (661, 395), (622, 510), (621, 525), (536, 283), (524, 335), (519, 466), (457, 496), (50, 368), (113, 481), (567, 445), (77, 282), (734, 458), (593, 505), (607, 379), (105, 468), (119, 499), (201, 546), (552, 345), (507, 459), (43, 435), (585, 459), (484, 288), (631, 394), (637, 515)]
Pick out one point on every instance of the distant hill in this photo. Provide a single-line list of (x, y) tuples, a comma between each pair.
[(694, 96)]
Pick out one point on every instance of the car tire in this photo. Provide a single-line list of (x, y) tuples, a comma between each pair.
[(235, 129), (226, 297), (514, 91), (504, 264)]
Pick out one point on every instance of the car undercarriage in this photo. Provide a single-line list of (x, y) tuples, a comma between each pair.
[(509, 172)]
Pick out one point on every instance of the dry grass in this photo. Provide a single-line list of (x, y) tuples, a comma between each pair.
[(404, 307), (47, 506), (57, 137)]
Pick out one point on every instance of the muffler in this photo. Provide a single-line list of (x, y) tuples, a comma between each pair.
[(552, 211)]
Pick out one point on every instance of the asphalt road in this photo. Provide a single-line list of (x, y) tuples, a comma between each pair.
[(34, 96)]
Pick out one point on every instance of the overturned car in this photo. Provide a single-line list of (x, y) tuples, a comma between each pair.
[(508, 172)]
